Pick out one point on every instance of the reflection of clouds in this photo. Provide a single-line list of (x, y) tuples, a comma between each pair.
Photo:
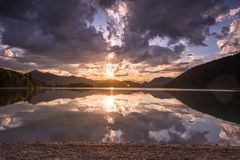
[(110, 119), (230, 133), (9, 122), (136, 102), (136, 126), (162, 135), (138, 117), (203, 130), (113, 136), (122, 103), (172, 135), (168, 135), (12, 110), (49, 125), (109, 104), (55, 102), (190, 118)]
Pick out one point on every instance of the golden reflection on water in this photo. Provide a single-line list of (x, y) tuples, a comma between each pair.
[(138, 112), (109, 104), (121, 103), (124, 104)]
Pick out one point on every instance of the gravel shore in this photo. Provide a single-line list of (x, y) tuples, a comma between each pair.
[(82, 150)]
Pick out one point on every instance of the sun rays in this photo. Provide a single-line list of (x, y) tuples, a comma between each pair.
[(109, 71)]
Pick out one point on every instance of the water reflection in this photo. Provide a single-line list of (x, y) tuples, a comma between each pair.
[(114, 116), (224, 105)]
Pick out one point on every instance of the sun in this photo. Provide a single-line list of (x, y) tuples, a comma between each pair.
[(110, 70), (110, 74)]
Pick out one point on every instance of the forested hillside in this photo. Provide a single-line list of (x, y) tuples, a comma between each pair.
[(10, 78), (219, 74)]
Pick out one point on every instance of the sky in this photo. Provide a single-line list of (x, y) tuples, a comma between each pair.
[(135, 40)]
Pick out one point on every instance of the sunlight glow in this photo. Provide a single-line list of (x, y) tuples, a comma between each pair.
[(110, 56), (109, 103), (110, 73), (109, 70)]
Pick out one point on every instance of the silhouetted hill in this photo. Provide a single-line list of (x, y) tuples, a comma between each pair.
[(72, 81), (158, 82), (221, 73), (10, 78), (55, 80)]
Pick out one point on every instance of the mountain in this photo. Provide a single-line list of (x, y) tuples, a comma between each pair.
[(219, 74), (55, 80), (116, 83), (11, 78), (158, 82), (73, 81)]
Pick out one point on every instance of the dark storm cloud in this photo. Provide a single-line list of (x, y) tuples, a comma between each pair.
[(53, 28), (174, 19), (155, 55), (138, 50), (106, 3), (58, 32)]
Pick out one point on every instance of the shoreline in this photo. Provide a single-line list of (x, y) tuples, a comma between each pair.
[(91, 150), (128, 88)]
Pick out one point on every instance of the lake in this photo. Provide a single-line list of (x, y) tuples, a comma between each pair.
[(120, 115)]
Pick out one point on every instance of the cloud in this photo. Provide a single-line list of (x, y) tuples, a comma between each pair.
[(234, 12), (231, 42), (137, 49), (56, 35), (175, 19), (231, 14), (55, 29), (106, 3)]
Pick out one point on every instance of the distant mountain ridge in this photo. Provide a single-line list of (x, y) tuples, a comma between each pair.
[(73, 81), (218, 74), (56, 80), (158, 82)]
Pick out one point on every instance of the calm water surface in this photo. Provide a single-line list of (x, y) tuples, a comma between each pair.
[(120, 115)]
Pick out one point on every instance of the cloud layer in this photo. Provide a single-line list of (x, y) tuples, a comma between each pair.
[(176, 20), (56, 29), (67, 34)]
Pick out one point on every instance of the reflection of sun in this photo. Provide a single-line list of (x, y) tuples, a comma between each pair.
[(109, 103)]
